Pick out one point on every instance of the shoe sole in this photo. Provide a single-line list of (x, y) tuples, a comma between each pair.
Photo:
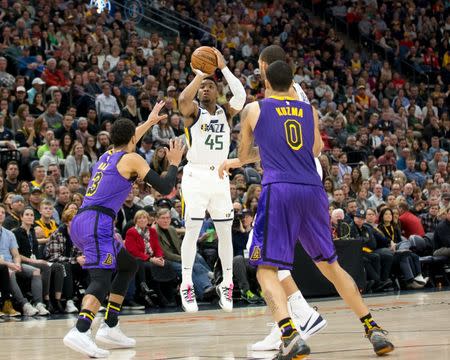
[(81, 350), (385, 350), (108, 341)]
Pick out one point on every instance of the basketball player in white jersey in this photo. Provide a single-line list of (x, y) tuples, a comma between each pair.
[(208, 136)]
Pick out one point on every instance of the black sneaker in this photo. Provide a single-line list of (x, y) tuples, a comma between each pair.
[(381, 344), (293, 347)]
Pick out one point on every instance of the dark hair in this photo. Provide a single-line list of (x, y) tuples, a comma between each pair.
[(382, 212), (279, 75), (122, 131), (272, 53)]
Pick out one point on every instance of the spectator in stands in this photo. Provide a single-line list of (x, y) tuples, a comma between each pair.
[(54, 173), (407, 261), (6, 79), (11, 258), (12, 220), (76, 163), (410, 223), (442, 236), (171, 246), (66, 128), (430, 219), (28, 249), (126, 214), (55, 77), (162, 133), (131, 111), (7, 308), (142, 242), (53, 156), (377, 198), (159, 162), (106, 104), (12, 175), (52, 116), (60, 250), (45, 225)]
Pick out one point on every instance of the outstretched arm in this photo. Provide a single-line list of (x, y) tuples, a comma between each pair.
[(153, 118)]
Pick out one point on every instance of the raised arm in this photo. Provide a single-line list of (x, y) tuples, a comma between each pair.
[(237, 102), (186, 103), (153, 118), (318, 143)]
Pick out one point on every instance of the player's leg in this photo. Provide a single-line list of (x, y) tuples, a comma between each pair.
[(273, 243), (221, 209), (109, 331), (79, 338), (194, 206), (316, 240)]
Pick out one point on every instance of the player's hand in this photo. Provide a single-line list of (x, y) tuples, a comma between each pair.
[(221, 63), (154, 117), (175, 152), (199, 73), (227, 165)]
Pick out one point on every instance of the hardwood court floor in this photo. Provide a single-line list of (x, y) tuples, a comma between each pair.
[(418, 323)]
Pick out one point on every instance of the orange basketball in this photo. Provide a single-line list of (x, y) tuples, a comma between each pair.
[(204, 59)]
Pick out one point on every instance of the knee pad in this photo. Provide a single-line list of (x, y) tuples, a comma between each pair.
[(126, 262), (100, 284)]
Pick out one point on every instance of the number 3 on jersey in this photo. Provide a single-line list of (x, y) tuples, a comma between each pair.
[(95, 181), (215, 142), (293, 130)]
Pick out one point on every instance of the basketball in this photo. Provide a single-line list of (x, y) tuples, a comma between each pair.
[(204, 59)]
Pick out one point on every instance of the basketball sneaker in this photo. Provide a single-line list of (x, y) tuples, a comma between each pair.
[(83, 343), (225, 296), (293, 347), (188, 301), (114, 336), (312, 325), (379, 340)]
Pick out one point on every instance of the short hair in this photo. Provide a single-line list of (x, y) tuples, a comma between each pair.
[(122, 131), (140, 213), (12, 162), (272, 53), (279, 75), (403, 206), (45, 203), (162, 212)]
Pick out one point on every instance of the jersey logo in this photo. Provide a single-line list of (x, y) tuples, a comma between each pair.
[(108, 260), (213, 127), (256, 253)]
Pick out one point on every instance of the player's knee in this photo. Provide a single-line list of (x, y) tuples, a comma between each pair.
[(100, 284), (126, 263)]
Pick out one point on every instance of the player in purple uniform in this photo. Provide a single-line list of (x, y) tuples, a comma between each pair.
[(92, 231), (293, 205)]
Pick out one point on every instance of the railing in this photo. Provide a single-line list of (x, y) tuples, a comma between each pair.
[(317, 7), (149, 20)]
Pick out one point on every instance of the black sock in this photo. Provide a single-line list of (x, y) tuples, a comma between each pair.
[(112, 314), (85, 319), (368, 323), (287, 327)]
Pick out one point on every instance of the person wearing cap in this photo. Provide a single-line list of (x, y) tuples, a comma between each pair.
[(12, 220), (254, 81), (35, 200), (20, 99), (36, 88), (373, 262)]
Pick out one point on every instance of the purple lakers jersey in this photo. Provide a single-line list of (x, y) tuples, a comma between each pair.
[(284, 134), (107, 188)]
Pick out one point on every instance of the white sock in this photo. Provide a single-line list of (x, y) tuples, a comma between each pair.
[(189, 249), (298, 306), (283, 274), (223, 229)]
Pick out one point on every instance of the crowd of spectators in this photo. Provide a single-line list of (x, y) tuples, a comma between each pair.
[(67, 73)]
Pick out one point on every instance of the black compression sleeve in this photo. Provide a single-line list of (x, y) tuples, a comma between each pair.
[(165, 184)]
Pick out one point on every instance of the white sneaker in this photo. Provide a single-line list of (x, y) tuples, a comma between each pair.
[(102, 309), (271, 342), (226, 296), (188, 301), (312, 325), (70, 307), (114, 336), (83, 343), (29, 310), (42, 310), (421, 280)]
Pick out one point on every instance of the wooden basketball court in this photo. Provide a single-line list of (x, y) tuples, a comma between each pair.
[(418, 323)]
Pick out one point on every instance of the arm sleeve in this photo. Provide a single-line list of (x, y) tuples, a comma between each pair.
[(165, 184), (237, 102)]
